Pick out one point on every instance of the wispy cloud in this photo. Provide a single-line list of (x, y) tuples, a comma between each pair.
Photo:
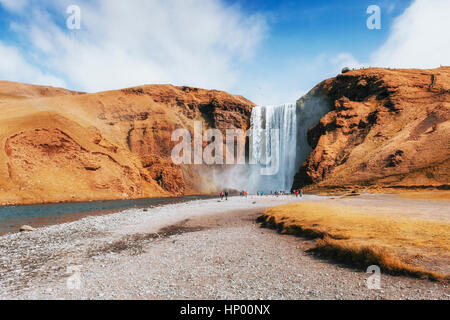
[(14, 5), (14, 66), (204, 43), (125, 43), (417, 39)]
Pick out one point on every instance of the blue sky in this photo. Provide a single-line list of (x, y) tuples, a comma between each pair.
[(302, 31), (269, 51)]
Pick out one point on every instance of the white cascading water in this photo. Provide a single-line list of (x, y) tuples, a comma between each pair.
[(273, 145), (293, 122)]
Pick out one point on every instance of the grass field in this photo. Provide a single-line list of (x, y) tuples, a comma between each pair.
[(434, 195), (398, 245)]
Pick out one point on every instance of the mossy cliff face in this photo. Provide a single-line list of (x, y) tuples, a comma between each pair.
[(386, 128)]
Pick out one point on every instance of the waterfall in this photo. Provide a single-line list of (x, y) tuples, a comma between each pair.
[(278, 138), (273, 144)]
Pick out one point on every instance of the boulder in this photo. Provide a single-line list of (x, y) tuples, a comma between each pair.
[(26, 229)]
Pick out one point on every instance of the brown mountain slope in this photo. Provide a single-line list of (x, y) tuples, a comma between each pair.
[(387, 128), (59, 145)]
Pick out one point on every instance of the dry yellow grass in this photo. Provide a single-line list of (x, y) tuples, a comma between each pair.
[(398, 245), (435, 195)]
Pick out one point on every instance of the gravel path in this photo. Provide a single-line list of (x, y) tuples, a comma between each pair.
[(198, 250)]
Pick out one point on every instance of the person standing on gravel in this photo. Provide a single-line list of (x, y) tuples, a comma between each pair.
[(226, 195)]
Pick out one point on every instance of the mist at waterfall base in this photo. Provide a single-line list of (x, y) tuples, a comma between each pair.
[(278, 139)]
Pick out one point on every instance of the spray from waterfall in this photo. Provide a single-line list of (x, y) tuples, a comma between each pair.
[(279, 153), (278, 139)]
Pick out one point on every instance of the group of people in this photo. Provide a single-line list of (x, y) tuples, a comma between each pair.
[(298, 193), (244, 193), (224, 194)]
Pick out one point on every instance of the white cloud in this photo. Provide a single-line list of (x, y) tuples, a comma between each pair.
[(419, 37), (126, 43), (345, 59), (14, 5), (202, 43), (14, 66)]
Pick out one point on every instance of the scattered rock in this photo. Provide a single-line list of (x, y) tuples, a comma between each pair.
[(26, 229)]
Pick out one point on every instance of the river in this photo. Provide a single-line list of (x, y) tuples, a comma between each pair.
[(39, 215)]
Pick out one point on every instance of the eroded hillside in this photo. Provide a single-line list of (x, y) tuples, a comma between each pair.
[(387, 128), (60, 145)]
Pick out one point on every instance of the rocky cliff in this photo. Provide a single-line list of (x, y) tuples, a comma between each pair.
[(60, 145), (382, 128), (386, 128)]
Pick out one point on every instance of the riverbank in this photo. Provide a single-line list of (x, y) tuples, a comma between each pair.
[(40, 215), (197, 250)]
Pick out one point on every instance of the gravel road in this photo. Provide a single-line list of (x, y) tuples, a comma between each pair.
[(198, 250)]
